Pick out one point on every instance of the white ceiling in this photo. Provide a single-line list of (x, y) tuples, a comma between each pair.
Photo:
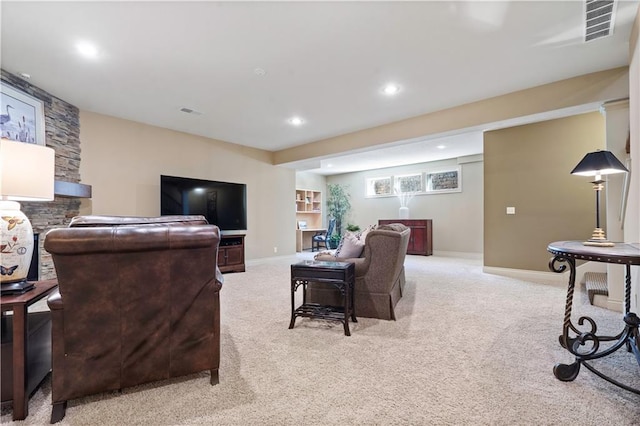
[(324, 61)]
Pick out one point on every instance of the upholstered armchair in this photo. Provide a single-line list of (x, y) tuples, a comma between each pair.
[(138, 301), (379, 271)]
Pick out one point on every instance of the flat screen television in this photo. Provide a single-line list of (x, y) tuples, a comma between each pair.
[(223, 203)]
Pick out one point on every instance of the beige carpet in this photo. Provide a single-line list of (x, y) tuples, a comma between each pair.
[(467, 349)]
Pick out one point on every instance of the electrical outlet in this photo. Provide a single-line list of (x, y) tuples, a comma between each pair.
[(275, 249), (511, 210)]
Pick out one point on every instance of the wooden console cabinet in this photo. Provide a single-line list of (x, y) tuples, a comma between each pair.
[(231, 253), (421, 241)]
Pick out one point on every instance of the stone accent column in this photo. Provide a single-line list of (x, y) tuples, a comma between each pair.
[(62, 129)]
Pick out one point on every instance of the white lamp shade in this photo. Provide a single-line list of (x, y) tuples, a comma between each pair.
[(27, 171)]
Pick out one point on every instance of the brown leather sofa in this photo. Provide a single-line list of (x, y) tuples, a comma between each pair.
[(379, 271), (138, 301)]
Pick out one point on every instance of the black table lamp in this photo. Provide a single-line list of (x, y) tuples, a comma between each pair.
[(597, 164)]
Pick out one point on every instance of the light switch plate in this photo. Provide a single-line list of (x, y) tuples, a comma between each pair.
[(511, 210)]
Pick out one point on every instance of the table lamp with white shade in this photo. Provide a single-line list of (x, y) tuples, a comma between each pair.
[(27, 173)]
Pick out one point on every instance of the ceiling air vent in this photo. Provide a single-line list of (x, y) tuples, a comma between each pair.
[(190, 111), (598, 19)]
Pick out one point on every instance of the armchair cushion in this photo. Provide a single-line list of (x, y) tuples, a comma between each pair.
[(350, 246)]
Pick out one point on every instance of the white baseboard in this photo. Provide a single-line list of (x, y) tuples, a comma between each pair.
[(615, 305), (547, 277), (460, 254), (523, 274)]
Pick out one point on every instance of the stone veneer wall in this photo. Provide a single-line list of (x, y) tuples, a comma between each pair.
[(62, 128)]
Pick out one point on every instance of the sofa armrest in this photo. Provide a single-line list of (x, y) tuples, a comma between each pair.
[(325, 257), (54, 301), (361, 263)]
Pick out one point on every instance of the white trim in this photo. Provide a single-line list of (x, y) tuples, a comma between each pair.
[(535, 276), (547, 277), (460, 254), (614, 305)]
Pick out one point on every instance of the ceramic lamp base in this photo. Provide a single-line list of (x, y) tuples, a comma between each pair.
[(16, 243)]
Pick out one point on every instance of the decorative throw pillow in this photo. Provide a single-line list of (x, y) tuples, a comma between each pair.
[(362, 235), (350, 246), (356, 234), (341, 242)]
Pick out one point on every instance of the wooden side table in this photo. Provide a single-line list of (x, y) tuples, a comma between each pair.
[(27, 372), (339, 274)]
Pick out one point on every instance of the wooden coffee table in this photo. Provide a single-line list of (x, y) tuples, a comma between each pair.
[(339, 274)]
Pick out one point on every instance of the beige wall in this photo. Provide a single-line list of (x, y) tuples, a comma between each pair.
[(457, 217), (528, 167), (123, 161), (312, 181)]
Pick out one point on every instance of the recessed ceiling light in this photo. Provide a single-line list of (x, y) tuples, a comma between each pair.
[(296, 121), (441, 147), (391, 89), (86, 49)]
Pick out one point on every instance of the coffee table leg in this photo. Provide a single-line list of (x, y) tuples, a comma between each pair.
[(353, 307), (347, 303), (293, 302)]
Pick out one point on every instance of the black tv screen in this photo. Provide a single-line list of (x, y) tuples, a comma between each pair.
[(223, 203)]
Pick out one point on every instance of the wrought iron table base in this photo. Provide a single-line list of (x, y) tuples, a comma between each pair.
[(585, 345)]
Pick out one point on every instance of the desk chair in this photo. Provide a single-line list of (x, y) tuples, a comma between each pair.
[(322, 236)]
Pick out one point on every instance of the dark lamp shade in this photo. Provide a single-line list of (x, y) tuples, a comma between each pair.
[(599, 163)]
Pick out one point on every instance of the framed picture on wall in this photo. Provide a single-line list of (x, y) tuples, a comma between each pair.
[(408, 184), (441, 181), (376, 187), (22, 116)]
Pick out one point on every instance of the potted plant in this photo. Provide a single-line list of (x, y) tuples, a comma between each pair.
[(338, 204), (334, 241), (352, 228)]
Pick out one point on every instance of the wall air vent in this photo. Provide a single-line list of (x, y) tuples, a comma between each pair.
[(598, 19)]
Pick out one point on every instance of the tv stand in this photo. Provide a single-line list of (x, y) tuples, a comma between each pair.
[(231, 253)]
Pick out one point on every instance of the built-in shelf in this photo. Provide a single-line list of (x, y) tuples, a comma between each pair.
[(308, 201), (308, 209)]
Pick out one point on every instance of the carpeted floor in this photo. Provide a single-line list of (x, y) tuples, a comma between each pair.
[(467, 349)]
